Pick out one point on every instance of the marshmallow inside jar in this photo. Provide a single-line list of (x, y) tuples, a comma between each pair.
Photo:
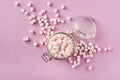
[(61, 45)]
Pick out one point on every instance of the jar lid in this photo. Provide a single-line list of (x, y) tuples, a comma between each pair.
[(84, 27)]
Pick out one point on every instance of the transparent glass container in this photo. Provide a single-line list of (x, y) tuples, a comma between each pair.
[(84, 27), (47, 56)]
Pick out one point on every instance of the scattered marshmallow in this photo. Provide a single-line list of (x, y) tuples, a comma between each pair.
[(62, 21), (71, 61), (17, 3), (57, 15), (75, 54), (29, 4), (105, 49), (96, 46), (63, 7), (52, 27), (33, 21), (26, 39), (32, 9), (49, 4), (23, 10), (90, 67), (109, 48), (47, 37), (88, 60), (32, 32), (41, 24), (30, 18), (45, 32), (44, 11), (45, 16), (26, 13), (69, 18), (35, 44), (90, 44), (73, 66), (33, 16), (41, 42), (56, 10), (44, 39), (91, 55), (45, 43), (40, 13), (38, 18)]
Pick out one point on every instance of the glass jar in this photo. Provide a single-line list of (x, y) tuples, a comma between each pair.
[(84, 27), (60, 46)]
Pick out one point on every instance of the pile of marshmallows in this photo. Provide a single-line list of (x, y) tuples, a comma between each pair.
[(48, 25), (85, 51), (61, 45)]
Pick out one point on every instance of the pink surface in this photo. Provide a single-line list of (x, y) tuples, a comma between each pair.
[(19, 61)]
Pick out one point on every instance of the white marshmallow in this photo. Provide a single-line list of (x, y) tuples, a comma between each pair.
[(23, 10), (26, 12), (63, 7), (90, 67), (32, 32), (69, 18), (26, 39), (57, 15), (49, 3), (105, 49), (62, 21), (17, 3), (109, 48), (71, 61), (99, 49), (32, 9), (29, 4), (56, 10), (88, 60), (36, 44)]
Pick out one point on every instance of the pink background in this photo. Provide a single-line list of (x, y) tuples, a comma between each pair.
[(19, 61)]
